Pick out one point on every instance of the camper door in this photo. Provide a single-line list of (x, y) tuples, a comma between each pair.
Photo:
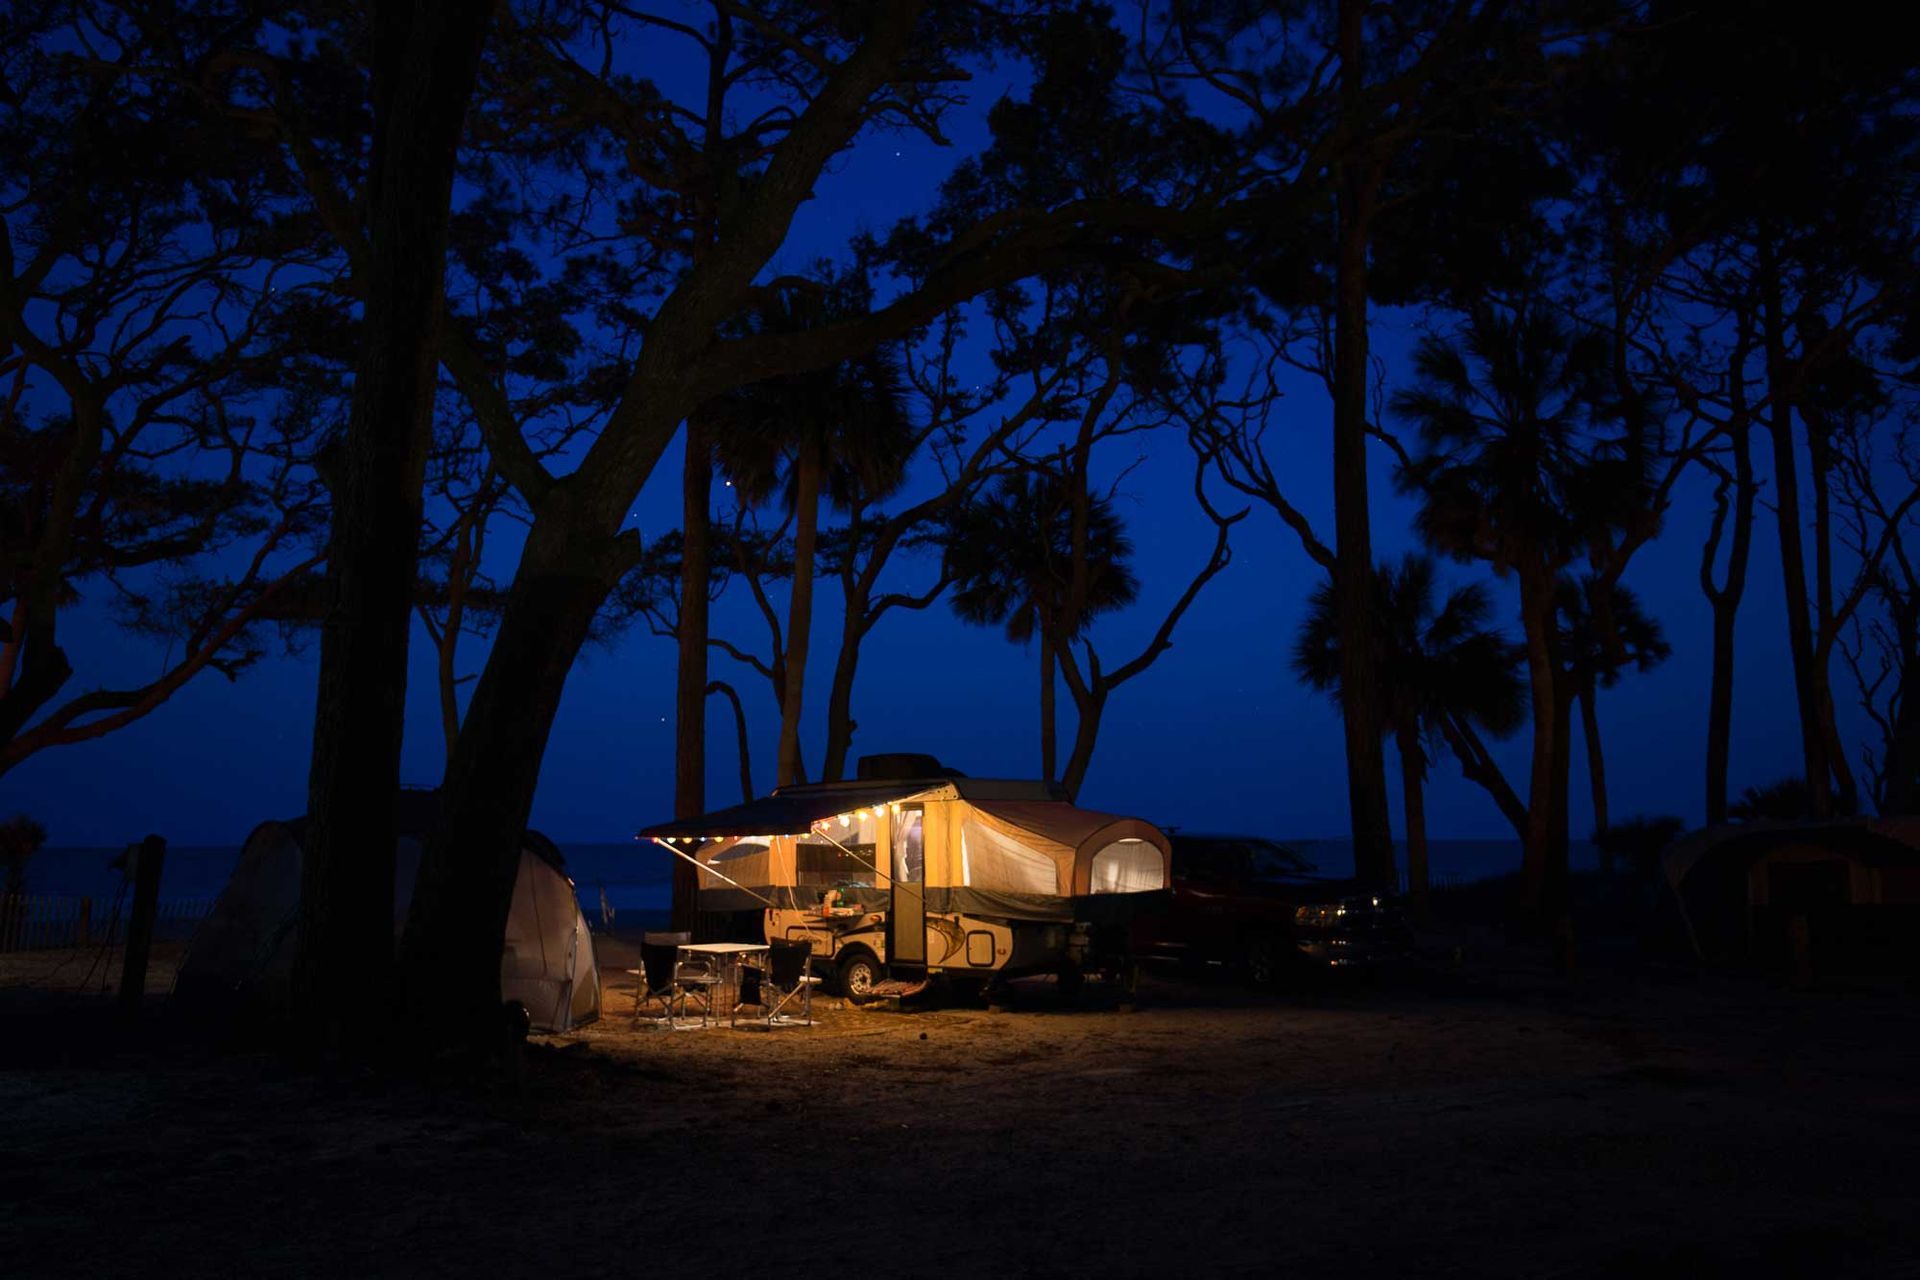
[(907, 916)]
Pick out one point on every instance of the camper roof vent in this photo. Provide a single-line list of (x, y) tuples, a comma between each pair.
[(901, 766)]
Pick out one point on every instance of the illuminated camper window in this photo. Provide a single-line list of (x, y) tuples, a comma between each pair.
[(1128, 866), (839, 851), (819, 865), (990, 860)]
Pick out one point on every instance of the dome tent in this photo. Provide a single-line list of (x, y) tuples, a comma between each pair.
[(241, 956), (1853, 882)]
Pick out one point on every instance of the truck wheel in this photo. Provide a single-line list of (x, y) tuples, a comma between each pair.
[(860, 973), (1261, 956)]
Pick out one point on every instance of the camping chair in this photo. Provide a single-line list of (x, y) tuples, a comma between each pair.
[(657, 954), (789, 975), (753, 987), (695, 977)]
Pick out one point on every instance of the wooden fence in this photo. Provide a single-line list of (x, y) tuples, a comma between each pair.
[(1438, 880), (34, 922)]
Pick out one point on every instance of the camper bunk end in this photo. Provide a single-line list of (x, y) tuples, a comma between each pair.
[(899, 879)]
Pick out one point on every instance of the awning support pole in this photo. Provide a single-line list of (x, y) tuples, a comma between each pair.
[(710, 871)]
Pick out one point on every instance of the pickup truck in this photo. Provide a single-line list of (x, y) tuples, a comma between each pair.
[(1257, 906)]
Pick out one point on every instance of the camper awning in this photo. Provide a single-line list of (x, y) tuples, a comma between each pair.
[(788, 814)]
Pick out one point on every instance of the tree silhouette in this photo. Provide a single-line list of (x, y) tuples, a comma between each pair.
[(1603, 632), (840, 433), (1011, 554), (147, 273), (1525, 471), (1438, 664)]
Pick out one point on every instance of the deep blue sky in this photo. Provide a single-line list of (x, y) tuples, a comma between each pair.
[(1217, 734)]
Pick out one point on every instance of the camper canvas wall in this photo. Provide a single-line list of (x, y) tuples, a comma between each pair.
[(957, 875)]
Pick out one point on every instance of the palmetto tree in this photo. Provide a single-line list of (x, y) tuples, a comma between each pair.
[(840, 433), (1010, 555), (1435, 667), (1603, 630), (1524, 468)]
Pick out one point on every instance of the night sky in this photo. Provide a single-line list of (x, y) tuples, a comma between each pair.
[(1218, 734)]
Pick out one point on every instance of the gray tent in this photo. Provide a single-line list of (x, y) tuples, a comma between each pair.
[(242, 953)]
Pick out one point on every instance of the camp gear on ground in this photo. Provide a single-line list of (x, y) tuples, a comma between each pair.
[(241, 956), (658, 951), (787, 978), (712, 973)]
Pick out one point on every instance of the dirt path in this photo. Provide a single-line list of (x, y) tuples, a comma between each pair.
[(1491, 1128)]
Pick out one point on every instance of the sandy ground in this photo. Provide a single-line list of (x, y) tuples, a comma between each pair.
[(1474, 1122)]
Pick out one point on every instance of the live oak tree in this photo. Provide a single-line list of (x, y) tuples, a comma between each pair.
[(146, 270), (1876, 500), (1408, 112), (1045, 552), (670, 224), (424, 56), (1785, 213), (834, 74)]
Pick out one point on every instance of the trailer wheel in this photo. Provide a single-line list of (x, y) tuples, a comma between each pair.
[(860, 973)]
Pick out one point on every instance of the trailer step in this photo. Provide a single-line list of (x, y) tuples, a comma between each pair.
[(896, 988)]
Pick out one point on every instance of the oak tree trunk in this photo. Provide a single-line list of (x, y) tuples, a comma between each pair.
[(1556, 901), (1845, 796), (1477, 763), (1049, 681), (1726, 608), (425, 57), (840, 724), (799, 611), (1088, 712), (741, 744), (1353, 578), (451, 951), (1596, 759), (1413, 775), (690, 672), (460, 572), (1793, 564), (1541, 864)]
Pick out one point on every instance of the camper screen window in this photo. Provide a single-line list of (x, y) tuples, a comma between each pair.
[(825, 865)]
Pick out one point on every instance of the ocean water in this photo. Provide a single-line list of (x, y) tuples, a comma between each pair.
[(630, 877)]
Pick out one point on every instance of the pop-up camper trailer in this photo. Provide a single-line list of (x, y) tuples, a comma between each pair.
[(929, 874), (241, 956)]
